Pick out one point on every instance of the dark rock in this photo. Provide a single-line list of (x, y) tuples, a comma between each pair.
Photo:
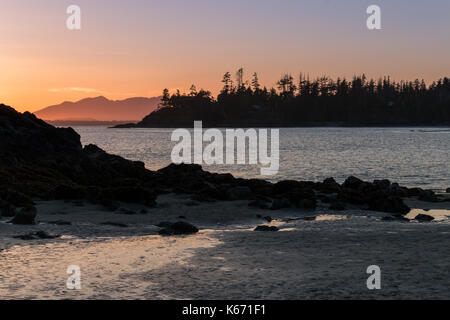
[(389, 204), (424, 218), (382, 184), (304, 198), (261, 188), (395, 218), (329, 186), (210, 191), (268, 219), (286, 186), (45, 235), (338, 206), (448, 190), (397, 191), (266, 228), (37, 235), (179, 228), (351, 196), (26, 216), (352, 183), (221, 178), (181, 217), (240, 193), (415, 192), (428, 196), (143, 211)]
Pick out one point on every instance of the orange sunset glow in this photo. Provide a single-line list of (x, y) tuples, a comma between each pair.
[(141, 47)]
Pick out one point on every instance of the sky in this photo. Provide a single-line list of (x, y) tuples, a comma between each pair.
[(128, 48)]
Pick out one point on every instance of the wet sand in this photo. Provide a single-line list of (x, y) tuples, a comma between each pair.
[(322, 259)]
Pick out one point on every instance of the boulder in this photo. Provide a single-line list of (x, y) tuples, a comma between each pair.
[(389, 204), (448, 190), (428, 196), (424, 218), (266, 228), (37, 235), (26, 216), (395, 218), (352, 183), (179, 228), (382, 184), (329, 186)]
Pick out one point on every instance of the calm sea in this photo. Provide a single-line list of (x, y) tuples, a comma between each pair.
[(411, 156)]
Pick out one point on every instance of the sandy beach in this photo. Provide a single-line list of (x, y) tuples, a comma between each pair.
[(324, 258)]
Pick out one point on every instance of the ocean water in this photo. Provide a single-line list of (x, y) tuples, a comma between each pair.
[(414, 157)]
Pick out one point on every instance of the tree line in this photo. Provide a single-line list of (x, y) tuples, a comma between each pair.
[(303, 101)]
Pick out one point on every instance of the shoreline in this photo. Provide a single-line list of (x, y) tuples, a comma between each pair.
[(306, 259), (259, 126)]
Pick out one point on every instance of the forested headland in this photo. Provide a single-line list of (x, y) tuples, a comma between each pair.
[(307, 102)]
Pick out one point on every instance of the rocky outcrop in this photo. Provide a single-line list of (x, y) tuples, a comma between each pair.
[(424, 218), (178, 228), (26, 216), (39, 160), (266, 228)]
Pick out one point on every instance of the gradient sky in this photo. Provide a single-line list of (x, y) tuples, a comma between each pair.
[(138, 47)]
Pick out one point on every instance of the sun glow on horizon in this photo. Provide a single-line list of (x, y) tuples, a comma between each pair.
[(129, 49)]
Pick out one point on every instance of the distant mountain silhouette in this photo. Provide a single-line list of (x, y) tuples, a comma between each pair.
[(100, 109)]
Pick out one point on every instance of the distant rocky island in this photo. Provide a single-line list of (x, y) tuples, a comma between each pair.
[(320, 102)]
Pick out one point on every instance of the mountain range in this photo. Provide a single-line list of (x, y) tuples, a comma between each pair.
[(100, 109)]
